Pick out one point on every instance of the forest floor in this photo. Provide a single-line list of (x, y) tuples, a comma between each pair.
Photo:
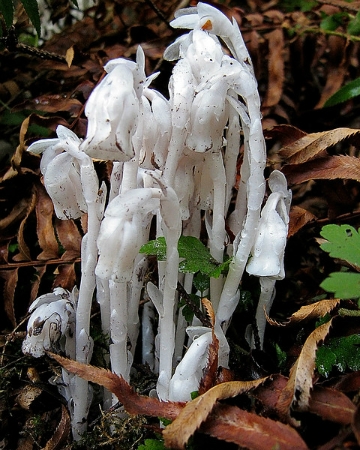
[(300, 61)]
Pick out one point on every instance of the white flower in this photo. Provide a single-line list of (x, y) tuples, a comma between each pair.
[(122, 232), (61, 170), (53, 317), (268, 251)]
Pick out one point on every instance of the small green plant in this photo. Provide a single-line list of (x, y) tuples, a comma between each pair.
[(195, 256), (343, 242)]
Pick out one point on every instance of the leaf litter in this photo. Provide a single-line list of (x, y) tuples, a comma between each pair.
[(298, 71)]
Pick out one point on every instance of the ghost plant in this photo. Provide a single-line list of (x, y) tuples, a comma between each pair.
[(174, 169)]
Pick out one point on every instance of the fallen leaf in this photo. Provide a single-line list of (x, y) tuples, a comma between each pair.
[(296, 393), (313, 144), (329, 168), (69, 237), (331, 405), (61, 433), (314, 311), (11, 278), (209, 378), (45, 229), (69, 56), (356, 425), (27, 395), (298, 218), (196, 411), (133, 402), (65, 276), (40, 270), (275, 67), (251, 431)]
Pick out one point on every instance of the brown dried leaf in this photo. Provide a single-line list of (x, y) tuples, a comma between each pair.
[(299, 217), (133, 402), (275, 67), (356, 424), (61, 433), (331, 405), (51, 103), (24, 251), (313, 144), (328, 403), (40, 270), (330, 168), (65, 276), (209, 377), (286, 134), (251, 431), (349, 382), (45, 228), (297, 391), (11, 278), (69, 57), (17, 157), (69, 237), (195, 412), (27, 395), (314, 311)]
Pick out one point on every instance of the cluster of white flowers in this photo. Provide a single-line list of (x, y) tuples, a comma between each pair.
[(174, 166)]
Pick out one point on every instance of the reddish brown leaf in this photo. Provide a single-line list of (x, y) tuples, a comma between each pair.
[(65, 276), (40, 270), (299, 217), (196, 412), (328, 403), (286, 134), (133, 402), (331, 405), (275, 67), (11, 278), (297, 391), (69, 237), (356, 425), (314, 144), (349, 382), (24, 251), (45, 228), (52, 103), (61, 433), (251, 431), (329, 168)]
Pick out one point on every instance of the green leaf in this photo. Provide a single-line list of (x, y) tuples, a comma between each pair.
[(354, 25), (342, 353), (347, 92), (155, 248), (343, 242), (195, 256), (187, 312), (201, 283), (32, 10), (7, 11), (331, 23), (344, 285), (152, 444)]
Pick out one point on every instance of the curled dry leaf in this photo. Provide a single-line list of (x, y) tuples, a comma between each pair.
[(314, 311), (296, 393), (196, 412), (209, 377), (11, 279), (311, 145), (61, 433)]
